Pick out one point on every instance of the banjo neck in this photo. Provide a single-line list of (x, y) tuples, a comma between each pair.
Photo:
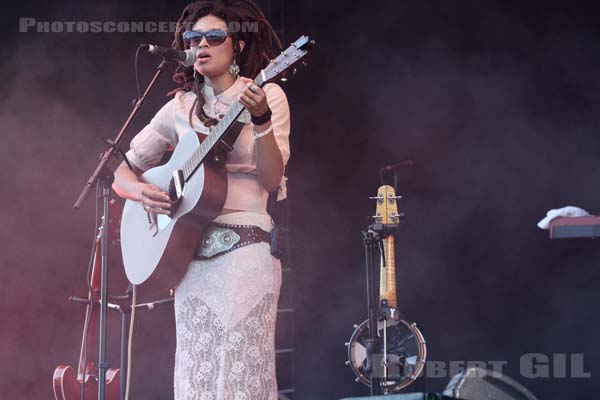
[(387, 286), (387, 214)]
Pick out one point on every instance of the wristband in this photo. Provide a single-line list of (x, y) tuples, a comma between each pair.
[(263, 133), (262, 119)]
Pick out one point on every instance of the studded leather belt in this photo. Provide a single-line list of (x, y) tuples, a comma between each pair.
[(221, 238)]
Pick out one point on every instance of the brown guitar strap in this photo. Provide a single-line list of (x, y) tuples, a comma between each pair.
[(230, 136), (226, 143)]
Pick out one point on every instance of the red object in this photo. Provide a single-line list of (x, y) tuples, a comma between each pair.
[(575, 227)]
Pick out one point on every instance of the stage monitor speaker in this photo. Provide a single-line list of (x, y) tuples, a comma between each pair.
[(406, 396), (481, 384)]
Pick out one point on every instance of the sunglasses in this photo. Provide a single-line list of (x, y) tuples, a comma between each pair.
[(214, 37)]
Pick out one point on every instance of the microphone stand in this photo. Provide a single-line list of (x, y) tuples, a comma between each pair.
[(103, 177), (370, 239), (125, 309)]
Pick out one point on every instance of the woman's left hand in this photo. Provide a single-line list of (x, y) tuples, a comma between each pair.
[(253, 98)]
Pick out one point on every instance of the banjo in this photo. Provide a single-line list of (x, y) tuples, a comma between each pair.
[(400, 358), (195, 179)]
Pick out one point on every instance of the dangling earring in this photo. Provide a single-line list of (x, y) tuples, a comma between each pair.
[(195, 74), (234, 69)]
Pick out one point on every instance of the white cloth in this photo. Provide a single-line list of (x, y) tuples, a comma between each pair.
[(171, 122), (225, 311), (569, 211)]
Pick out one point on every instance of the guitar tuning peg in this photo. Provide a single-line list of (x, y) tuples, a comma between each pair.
[(294, 71), (375, 197), (284, 79), (400, 215), (304, 63), (347, 363)]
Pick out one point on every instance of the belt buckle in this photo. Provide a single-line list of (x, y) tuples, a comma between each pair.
[(215, 240)]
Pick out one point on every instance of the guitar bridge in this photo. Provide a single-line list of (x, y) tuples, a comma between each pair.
[(152, 223)]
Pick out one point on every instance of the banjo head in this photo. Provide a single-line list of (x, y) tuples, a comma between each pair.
[(406, 354)]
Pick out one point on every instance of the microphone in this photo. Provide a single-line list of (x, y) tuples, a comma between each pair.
[(187, 57)]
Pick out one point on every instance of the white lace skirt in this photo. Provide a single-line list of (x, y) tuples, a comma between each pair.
[(225, 311)]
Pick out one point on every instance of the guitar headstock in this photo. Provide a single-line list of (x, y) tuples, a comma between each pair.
[(287, 59), (387, 209)]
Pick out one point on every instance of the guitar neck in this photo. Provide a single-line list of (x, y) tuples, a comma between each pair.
[(216, 135), (387, 287), (288, 58)]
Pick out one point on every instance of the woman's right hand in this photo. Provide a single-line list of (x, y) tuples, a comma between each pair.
[(154, 200)]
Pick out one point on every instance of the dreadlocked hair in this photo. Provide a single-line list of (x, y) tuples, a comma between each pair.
[(258, 49)]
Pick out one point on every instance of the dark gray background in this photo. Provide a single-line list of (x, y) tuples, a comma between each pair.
[(498, 104)]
